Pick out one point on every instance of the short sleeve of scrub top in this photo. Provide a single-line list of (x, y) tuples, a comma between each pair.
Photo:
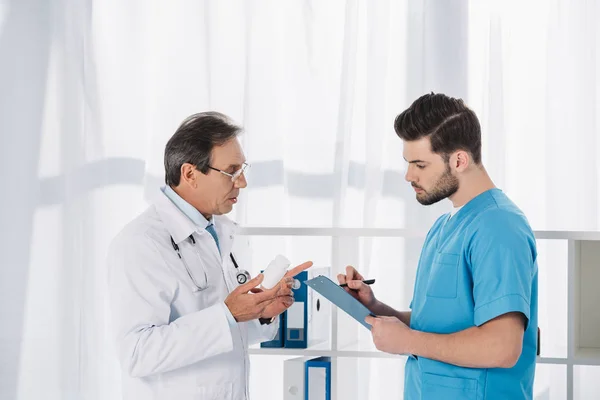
[(503, 267)]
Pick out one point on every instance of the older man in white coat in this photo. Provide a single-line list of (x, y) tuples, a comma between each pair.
[(182, 315)]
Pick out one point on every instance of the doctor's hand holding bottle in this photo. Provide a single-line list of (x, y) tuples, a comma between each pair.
[(248, 301), (282, 302)]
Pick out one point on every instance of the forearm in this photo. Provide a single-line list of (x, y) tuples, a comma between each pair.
[(472, 348), (384, 310)]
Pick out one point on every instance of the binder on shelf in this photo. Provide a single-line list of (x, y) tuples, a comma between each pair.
[(307, 321), (317, 383), (307, 378), (277, 342), (294, 382)]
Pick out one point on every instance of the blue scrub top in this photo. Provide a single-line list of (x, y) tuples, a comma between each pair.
[(475, 266)]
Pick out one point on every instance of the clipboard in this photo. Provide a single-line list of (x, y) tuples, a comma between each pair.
[(342, 299)]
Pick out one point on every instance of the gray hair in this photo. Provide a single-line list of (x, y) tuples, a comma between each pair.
[(193, 143)]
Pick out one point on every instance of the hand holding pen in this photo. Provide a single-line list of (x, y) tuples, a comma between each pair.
[(355, 284)]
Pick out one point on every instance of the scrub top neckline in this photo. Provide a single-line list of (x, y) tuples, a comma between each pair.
[(451, 221)]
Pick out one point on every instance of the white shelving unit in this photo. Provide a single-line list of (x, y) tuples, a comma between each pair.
[(583, 295)]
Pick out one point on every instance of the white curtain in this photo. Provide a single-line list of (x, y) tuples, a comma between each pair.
[(90, 91)]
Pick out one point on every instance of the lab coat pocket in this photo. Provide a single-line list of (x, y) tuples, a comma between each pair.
[(222, 391), (443, 278), (446, 387)]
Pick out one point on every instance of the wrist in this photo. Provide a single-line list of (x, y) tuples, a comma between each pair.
[(230, 317), (375, 307), (266, 321), (412, 343)]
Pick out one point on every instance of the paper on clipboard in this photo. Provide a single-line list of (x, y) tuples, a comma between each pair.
[(342, 299)]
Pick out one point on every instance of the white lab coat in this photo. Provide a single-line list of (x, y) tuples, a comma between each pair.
[(175, 341)]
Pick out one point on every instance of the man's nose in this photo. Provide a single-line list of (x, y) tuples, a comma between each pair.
[(241, 182), (409, 176)]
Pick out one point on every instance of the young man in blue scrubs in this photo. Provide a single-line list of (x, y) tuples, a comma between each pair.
[(471, 331)]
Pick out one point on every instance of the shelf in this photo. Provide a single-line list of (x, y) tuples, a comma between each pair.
[(390, 232), (314, 349), (568, 235), (570, 328), (551, 360), (587, 356), (378, 354), (585, 312), (323, 231), (329, 353)]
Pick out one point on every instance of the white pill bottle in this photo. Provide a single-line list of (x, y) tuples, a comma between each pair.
[(275, 271)]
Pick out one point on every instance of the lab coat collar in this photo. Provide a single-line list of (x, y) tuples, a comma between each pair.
[(180, 227), (188, 210)]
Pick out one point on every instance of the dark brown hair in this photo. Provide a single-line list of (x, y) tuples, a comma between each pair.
[(448, 122)]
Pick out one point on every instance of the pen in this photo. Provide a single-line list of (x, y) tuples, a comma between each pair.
[(366, 282)]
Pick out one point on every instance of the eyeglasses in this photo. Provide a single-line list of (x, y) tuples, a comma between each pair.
[(236, 175)]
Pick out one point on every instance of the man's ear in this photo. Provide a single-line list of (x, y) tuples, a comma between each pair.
[(460, 160), (188, 175)]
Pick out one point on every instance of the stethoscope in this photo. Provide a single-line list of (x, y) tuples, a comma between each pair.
[(242, 276)]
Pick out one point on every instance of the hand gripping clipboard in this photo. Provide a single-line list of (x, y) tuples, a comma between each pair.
[(342, 299)]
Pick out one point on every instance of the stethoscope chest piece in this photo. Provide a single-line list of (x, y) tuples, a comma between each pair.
[(242, 276)]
